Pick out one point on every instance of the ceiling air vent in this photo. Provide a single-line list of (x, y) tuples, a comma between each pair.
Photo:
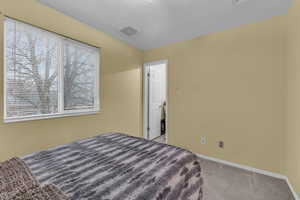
[(129, 31), (237, 2)]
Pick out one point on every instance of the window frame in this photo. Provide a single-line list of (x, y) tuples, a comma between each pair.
[(60, 69)]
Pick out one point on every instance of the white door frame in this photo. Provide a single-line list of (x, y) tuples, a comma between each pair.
[(145, 95)]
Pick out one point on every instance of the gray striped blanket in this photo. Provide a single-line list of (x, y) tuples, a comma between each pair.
[(115, 166)]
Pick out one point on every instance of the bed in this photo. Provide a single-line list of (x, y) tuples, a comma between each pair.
[(115, 166)]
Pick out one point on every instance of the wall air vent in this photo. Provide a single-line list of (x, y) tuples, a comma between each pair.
[(128, 31)]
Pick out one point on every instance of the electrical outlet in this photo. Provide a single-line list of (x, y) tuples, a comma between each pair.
[(221, 144), (203, 140)]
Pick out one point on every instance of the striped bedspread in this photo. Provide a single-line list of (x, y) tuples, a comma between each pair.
[(115, 166)]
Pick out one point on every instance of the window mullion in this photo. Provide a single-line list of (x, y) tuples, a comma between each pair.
[(97, 83), (61, 78)]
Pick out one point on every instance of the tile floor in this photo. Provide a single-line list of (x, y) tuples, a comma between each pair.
[(161, 139)]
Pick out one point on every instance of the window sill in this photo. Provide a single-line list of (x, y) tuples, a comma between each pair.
[(50, 116)]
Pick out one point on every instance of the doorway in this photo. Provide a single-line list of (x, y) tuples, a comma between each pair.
[(155, 101)]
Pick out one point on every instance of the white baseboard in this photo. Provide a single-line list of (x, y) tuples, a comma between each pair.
[(252, 169), (292, 189)]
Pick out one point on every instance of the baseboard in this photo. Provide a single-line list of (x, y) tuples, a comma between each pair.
[(252, 169), (292, 189)]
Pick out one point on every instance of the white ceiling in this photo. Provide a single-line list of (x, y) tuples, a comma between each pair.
[(162, 22)]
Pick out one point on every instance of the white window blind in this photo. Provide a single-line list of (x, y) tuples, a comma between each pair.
[(47, 75)]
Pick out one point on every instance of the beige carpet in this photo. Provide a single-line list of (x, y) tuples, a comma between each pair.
[(223, 182)]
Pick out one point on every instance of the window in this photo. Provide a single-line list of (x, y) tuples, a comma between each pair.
[(47, 75)]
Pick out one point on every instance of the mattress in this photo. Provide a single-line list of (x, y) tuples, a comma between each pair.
[(115, 166)]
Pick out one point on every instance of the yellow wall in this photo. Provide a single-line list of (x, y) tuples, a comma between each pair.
[(226, 86), (229, 86), (293, 96), (120, 87)]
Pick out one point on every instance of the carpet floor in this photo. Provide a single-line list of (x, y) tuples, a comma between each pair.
[(223, 182)]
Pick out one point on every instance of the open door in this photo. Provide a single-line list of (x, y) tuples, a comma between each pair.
[(155, 99)]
